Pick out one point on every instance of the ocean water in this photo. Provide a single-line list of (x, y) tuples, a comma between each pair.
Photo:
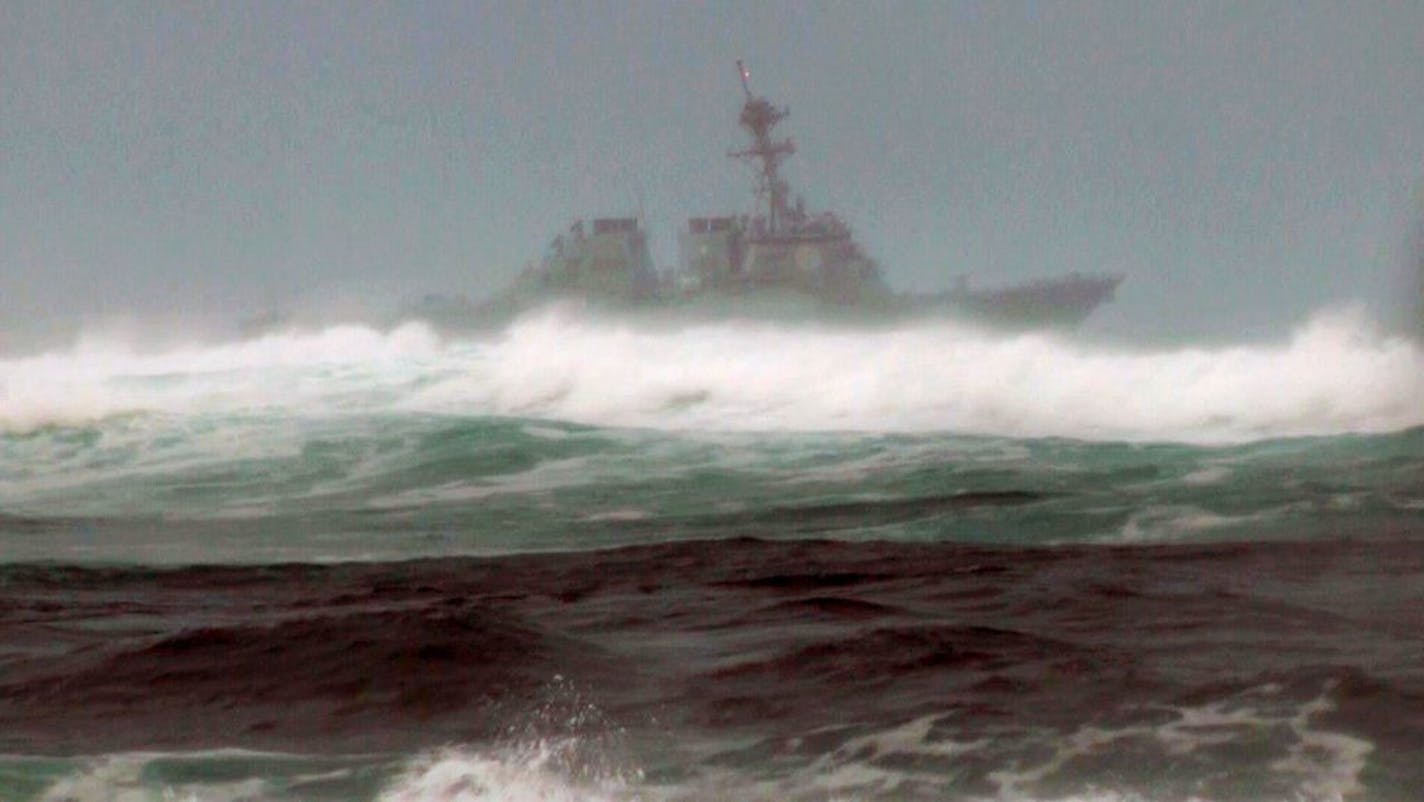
[(600, 559)]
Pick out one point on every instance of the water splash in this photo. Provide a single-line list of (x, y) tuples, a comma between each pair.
[(1336, 374), (525, 774)]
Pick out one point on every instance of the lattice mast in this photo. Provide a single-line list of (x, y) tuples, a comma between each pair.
[(759, 117)]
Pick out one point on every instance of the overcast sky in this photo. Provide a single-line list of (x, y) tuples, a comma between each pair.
[(1242, 163)]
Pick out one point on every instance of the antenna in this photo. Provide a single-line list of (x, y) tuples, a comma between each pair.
[(759, 117)]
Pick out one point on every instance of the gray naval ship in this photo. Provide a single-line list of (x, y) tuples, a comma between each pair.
[(781, 262)]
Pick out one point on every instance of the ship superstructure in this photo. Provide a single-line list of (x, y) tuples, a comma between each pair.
[(781, 252), (608, 258), (782, 246)]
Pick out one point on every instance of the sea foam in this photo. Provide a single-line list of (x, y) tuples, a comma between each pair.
[(456, 775), (1335, 374)]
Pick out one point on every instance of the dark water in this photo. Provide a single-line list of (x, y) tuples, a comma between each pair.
[(757, 669), (585, 562)]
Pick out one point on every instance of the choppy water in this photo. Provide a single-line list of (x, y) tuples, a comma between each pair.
[(590, 559)]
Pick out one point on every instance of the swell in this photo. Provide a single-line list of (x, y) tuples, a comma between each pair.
[(731, 639), (272, 489), (200, 658)]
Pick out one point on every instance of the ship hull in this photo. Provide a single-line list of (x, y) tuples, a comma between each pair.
[(1056, 303), (1050, 304)]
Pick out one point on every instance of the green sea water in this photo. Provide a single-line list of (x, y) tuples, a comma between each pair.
[(136, 489), (565, 433)]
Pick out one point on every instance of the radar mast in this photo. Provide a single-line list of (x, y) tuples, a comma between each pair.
[(759, 117)]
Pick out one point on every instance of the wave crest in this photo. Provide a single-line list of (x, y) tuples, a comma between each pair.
[(1335, 374)]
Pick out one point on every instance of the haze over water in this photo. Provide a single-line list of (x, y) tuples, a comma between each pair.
[(1172, 556), (184, 169)]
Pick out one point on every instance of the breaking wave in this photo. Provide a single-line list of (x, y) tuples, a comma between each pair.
[(1335, 374)]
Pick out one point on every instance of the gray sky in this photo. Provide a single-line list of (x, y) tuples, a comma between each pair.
[(1242, 163)]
